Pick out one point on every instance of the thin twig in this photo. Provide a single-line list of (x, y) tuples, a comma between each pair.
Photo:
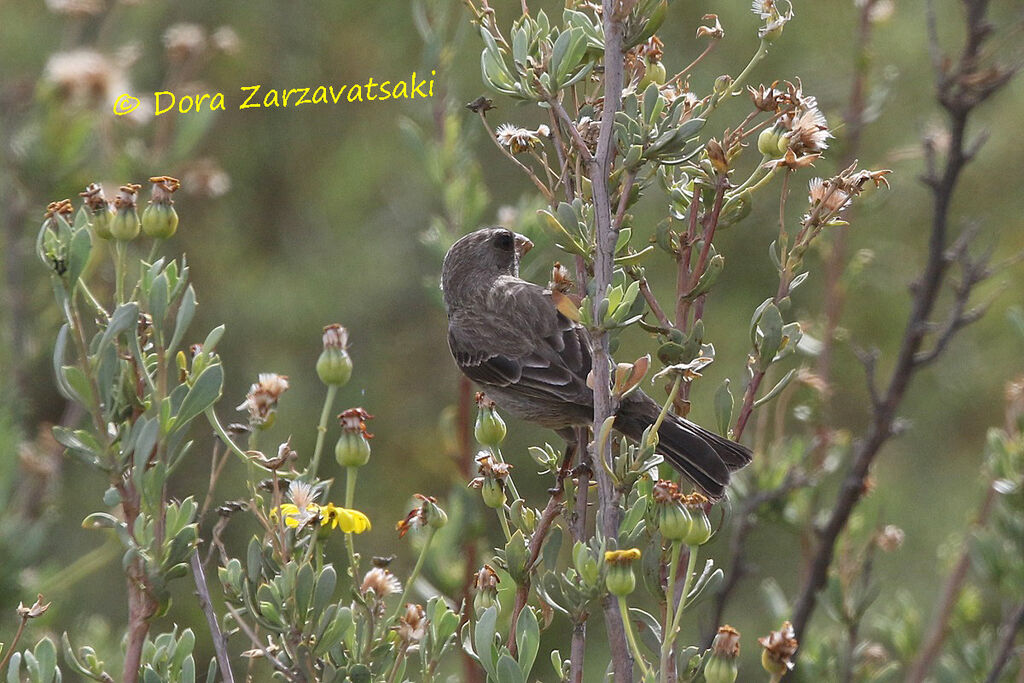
[(220, 643), (1013, 624), (959, 101)]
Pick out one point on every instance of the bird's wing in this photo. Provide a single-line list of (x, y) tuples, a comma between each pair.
[(516, 338)]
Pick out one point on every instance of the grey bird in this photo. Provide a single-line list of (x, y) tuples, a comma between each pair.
[(507, 335)]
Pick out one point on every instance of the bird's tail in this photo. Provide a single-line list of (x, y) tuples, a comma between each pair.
[(704, 457)]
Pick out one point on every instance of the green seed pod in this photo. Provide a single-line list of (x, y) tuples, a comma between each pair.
[(100, 222), (620, 580), (334, 367), (434, 515), (700, 531), (674, 521), (124, 226), (720, 670), (352, 449), (490, 429), (493, 492), (159, 221)]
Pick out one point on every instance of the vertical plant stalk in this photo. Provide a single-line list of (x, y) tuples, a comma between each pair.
[(141, 606), (220, 643), (321, 431), (937, 630), (959, 91), (551, 511), (614, 11)]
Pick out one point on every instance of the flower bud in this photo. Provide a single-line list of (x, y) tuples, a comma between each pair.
[(99, 210), (674, 522), (654, 72), (772, 142), (334, 366), (353, 447), (586, 564), (433, 515), (721, 666), (493, 492), (124, 225), (490, 428), (620, 579), (700, 530), (779, 648), (485, 586), (159, 221)]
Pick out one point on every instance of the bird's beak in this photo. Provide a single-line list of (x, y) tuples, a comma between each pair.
[(523, 244)]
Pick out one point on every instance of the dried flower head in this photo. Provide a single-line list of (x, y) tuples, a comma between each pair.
[(335, 337), (828, 195), (94, 198), (412, 626), (163, 187), (486, 579), (561, 281), (890, 539), (807, 130), (489, 468), (792, 162), (766, 98), (36, 610), (59, 208), (75, 8), (206, 178), (381, 582), (714, 31), (354, 420), (666, 491), (261, 401), (127, 196), (85, 77), (517, 139), (696, 500), (727, 642), (226, 40), (184, 40), (427, 512), (652, 49), (779, 648)]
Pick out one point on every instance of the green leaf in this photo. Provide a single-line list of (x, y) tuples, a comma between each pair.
[(201, 395), (78, 253), (508, 671), (325, 584), (771, 329), (126, 317), (46, 655), (777, 389), (14, 668), (59, 351), (724, 404), (483, 641), (186, 311), (212, 339), (183, 649), (145, 442), (527, 640)]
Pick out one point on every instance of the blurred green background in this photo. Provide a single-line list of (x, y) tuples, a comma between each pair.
[(294, 218)]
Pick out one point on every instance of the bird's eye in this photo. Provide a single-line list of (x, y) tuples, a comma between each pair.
[(504, 241)]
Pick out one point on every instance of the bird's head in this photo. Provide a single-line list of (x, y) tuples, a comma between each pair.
[(477, 259)]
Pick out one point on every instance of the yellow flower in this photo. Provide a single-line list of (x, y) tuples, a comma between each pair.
[(349, 521), (622, 556), (295, 517)]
